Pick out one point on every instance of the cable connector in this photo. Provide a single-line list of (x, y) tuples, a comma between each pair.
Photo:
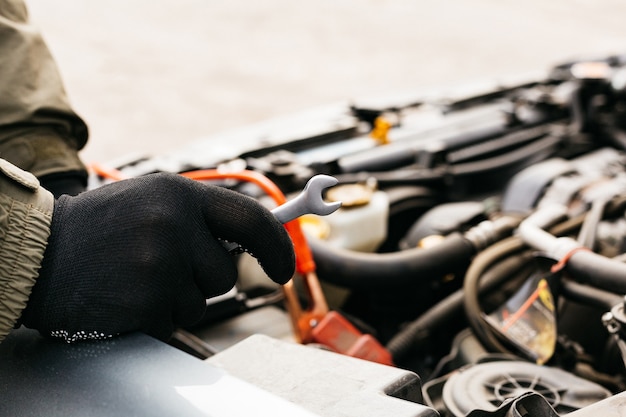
[(488, 232)]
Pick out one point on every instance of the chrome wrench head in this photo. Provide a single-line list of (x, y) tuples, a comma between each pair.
[(314, 195), (309, 201)]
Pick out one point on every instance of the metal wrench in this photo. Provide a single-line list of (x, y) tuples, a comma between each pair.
[(309, 201)]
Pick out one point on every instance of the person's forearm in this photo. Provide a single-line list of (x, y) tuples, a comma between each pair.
[(24, 230)]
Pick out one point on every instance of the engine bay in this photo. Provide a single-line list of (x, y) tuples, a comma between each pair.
[(480, 243)]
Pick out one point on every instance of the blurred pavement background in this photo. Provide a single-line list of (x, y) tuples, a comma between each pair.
[(151, 75)]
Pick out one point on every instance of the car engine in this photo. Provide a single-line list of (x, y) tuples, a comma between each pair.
[(480, 243)]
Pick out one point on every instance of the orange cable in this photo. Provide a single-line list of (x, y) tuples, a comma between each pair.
[(557, 267), (107, 173)]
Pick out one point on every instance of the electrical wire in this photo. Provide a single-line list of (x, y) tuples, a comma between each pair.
[(106, 172)]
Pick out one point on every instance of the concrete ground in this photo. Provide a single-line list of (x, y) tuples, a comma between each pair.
[(151, 75)]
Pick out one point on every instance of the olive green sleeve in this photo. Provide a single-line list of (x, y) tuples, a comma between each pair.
[(25, 217), (39, 131)]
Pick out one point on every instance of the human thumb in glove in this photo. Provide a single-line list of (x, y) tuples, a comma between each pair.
[(144, 254)]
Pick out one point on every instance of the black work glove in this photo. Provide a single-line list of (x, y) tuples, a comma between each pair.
[(144, 254)]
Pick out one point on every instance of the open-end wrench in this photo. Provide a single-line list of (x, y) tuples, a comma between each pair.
[(309, 201)]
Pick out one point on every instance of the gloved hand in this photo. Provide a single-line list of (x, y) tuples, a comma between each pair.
[(143, 254)]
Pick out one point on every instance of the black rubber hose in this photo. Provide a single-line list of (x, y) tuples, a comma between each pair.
[(368, 271), (449, 309), (473, 310), (598, 271), (590, 296)]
